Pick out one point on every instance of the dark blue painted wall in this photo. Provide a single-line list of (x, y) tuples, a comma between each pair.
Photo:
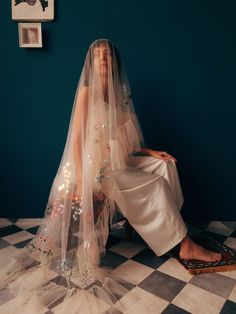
[(180, 59)]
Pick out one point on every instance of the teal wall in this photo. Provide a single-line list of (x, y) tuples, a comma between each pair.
[(180, 59)]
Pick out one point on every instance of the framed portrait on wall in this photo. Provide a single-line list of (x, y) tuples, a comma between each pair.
[(32, 10), (30, 35)]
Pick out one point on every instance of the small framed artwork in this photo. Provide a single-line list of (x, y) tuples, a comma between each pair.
[(30, 35), (32, 10)]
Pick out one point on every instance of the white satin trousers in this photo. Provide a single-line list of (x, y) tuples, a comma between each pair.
[(153, 199)]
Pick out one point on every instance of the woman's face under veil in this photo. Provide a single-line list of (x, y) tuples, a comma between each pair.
[(102, 57)]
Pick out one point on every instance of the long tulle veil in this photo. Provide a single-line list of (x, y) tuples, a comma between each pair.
[(60, 268)]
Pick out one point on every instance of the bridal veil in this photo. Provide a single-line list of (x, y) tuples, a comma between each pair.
[(62, 265)]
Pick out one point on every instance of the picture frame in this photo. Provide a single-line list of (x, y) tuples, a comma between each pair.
[(30, 35), (32, 10)]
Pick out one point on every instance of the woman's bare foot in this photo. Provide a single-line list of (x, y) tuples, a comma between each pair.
[(191, 250)]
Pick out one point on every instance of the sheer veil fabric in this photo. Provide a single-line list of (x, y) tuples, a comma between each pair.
[(62, 264)]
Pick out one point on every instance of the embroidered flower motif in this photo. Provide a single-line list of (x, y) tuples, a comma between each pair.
[(100, 176), (64, 265), (49, 208), (87, 276), (106, 161), (46, 254), (42, 237), (125, 102), (90, 159), (64, 186), (76, 207), (101, 172), (57, 209), (97, 126)]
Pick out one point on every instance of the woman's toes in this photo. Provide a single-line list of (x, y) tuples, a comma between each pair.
[(215, 257), (219, 256)]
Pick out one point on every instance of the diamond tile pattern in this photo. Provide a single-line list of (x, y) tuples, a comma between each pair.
[(161, 283)]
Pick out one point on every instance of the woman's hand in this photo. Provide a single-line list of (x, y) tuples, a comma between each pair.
[(162, 155), (158, 154)]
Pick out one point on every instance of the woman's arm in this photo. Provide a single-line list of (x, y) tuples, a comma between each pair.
[(157, 154), (78, 132)]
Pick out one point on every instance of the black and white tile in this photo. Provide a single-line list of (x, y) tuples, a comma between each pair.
[(161, 283)]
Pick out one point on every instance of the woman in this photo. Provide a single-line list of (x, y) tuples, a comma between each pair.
[(98, 171), (103, 52)]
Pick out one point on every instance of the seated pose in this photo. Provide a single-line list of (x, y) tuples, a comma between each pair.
[(99, 172)]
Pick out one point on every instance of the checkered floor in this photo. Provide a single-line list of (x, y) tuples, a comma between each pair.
[(162, 283)]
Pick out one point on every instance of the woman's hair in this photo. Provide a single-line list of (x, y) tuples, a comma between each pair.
[(89, 58)]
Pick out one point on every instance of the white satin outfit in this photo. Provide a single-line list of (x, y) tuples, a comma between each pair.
[(152, 196)]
